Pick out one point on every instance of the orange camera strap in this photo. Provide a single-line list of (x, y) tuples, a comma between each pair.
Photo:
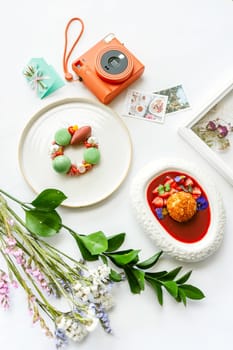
[(66, 55)]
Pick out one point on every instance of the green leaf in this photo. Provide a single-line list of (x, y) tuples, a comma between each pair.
[(104, 259), (140, 275), (96, 243), (114, 242), (171, 274), (115, 276), (85, 253), (184, 278), (135, 279), (157, 289), (156, 275), (49, 199), (181, 296), (124, 257), (192, 292), (41, 223), (146, 264), (171, 287)]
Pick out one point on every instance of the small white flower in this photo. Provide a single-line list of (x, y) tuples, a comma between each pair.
[(82, 291), (61, 322), (104, 271), (74, 326), (85, 298), (86, 290), (68, 323), (94, 288), (101, 274), (79, 334), (53, 148), (93, 318), (77, 286), (81, 168), (106, 301), (93, 325), (92, 140)]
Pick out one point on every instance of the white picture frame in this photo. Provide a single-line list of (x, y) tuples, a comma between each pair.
[(214, 141)]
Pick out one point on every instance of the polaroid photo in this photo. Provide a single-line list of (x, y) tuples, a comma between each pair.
[(146, 106), (177, 99)]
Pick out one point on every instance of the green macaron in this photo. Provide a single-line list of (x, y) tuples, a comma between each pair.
[(61, 164), (62, 137), (91, 155)]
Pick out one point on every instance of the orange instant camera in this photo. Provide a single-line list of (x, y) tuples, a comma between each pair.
[(108, 68)]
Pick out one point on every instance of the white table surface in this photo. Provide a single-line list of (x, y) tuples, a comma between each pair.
[(187, 42)]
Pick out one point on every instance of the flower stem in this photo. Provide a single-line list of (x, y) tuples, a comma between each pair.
[(14, 199)]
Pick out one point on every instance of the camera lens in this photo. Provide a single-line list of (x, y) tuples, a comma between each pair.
[(114, 62)]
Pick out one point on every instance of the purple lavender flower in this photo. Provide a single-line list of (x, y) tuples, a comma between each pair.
[(103, 318), (60, 338)]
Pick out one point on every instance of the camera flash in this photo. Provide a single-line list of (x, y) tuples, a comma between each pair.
[(109, 38)]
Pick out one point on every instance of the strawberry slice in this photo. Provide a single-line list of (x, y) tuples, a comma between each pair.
[(158, 202), (165, 194), (168, 180), (196, 192), (188, 182), (155, 190), (175, 186)]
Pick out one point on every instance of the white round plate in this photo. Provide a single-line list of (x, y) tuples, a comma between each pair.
[(182, 251), (114, 145)]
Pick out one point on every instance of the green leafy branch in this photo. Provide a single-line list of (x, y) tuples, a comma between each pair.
[(42, 219)]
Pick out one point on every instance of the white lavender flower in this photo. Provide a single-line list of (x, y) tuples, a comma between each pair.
[(101, 274), (82, 291), (72, 328), (106, 300)]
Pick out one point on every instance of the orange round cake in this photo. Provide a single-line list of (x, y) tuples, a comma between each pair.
[(181, 206)]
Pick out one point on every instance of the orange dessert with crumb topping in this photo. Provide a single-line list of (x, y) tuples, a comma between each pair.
[(181, 206)]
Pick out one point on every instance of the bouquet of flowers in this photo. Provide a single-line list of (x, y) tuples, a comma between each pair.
[(44, 271)]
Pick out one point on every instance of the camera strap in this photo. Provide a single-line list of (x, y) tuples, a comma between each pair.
[(66, 55)]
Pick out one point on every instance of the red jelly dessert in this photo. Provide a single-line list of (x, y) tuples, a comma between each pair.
[(180, 205)]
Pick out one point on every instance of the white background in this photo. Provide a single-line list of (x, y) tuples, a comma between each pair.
[(187, 42)]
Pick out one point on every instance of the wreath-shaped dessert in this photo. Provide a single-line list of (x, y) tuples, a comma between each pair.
[(74, 136)]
